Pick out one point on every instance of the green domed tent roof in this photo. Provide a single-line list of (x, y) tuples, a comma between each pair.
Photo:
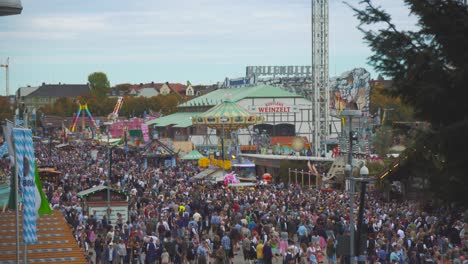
[(193, 155), (227, 115)]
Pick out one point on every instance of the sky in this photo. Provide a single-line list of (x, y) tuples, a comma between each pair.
[(201, 41)]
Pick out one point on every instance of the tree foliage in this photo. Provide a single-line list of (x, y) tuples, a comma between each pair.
[(131, 107), (382, 100), (122, 87), (99, 83), (6, 109), (428, 67)]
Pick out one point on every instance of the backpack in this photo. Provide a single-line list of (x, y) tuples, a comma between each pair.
[(313, 259), (191, 252), (288, 258), (161, 229)]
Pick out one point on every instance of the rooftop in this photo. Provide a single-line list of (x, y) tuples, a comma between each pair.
[(61, 90), (260, 91)]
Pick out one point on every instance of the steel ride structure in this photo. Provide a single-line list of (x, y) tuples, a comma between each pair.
[(112, 117), (82, 108)]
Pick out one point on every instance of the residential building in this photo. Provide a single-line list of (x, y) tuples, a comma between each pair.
[(47, 94), (23, 92), (154, 89)]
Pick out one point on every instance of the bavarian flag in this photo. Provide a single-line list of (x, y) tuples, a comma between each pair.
[(42, 205), (24, 160)]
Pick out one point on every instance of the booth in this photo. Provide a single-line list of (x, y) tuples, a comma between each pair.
[(50, 174), (96, 203)]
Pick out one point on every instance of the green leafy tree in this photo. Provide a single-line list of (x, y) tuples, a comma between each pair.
[(429, 69), (99, 83), (6, 110), (122, 87), (380, 99), (382, 140)]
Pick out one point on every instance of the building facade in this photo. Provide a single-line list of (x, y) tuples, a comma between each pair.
[(285, 114), (47, 94)]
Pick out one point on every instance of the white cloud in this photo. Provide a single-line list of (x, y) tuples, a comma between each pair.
[(71, 23)]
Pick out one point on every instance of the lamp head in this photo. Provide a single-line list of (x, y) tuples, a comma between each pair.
[(364, 171), (347, 168)]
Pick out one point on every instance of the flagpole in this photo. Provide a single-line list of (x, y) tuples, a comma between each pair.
[(25, 253), (17, 207)]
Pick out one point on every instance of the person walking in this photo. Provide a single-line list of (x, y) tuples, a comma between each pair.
[(98, 248), (121, 252), (267, 253), (150, 252)]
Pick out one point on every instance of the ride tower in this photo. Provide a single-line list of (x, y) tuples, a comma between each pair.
[(320, 92)]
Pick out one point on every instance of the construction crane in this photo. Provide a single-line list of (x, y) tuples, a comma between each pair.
[(320, 94), (7, 68)]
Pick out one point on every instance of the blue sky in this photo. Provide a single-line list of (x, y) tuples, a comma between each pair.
[(153, 40)]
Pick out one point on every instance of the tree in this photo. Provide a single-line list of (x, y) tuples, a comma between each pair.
[(99, 83), (429, 69), (122, 87), (381, 100), (6, 109)]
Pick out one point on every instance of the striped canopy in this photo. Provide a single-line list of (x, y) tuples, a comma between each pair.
[(228, 116)]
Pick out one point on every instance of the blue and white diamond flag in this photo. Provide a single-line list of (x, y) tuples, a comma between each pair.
[(3, 150), (24, 150)]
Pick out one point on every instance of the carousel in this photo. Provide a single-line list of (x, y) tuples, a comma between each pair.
[(226, 118)]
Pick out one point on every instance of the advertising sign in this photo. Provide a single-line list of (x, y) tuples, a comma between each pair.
[(276, 71), (144, 130), (274, 107)]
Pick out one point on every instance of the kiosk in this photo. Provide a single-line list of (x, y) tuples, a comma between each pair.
[(95, 202)]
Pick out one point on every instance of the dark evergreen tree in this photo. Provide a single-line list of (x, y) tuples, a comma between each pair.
[(429, 69)]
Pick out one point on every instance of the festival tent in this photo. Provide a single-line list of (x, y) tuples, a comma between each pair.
[(193, 155)]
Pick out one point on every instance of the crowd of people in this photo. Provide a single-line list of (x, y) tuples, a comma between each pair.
[(174, 219)]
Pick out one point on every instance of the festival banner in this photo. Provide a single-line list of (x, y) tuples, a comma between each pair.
[(144, 130), (42, 205), (7, 132), (24, 150)]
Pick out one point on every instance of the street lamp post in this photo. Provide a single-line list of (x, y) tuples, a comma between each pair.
[(223, 119), (364, 172), (349, 169), (49, 125), (109, 151)]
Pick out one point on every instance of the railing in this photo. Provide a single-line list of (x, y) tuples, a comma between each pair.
[(301, 173)]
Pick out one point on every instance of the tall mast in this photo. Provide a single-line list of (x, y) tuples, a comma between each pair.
[(320, 95)]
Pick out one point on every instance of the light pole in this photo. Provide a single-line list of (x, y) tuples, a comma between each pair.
[(49, 125), (349, 169), (223, 119), (109, 151), (364, 172), (109, 155)]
